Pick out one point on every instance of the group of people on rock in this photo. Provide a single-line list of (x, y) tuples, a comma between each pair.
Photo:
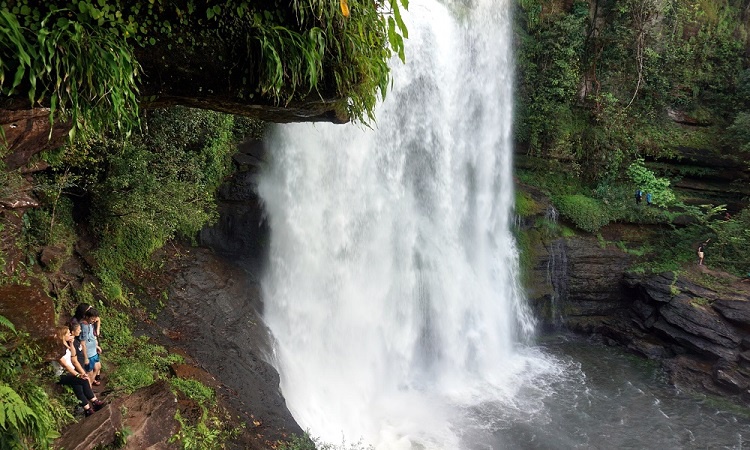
[(79, 366), (639, 197)]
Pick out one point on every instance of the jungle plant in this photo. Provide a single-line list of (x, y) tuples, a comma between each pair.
[(29, 418), (585, 212), (645, 180), (77, 57), (207, 432), (86, 75), (738, 134)]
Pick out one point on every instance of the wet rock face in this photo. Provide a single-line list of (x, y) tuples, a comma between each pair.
[(706, 327), (241, 233), (702, 336), (212, 315), (592, 280)]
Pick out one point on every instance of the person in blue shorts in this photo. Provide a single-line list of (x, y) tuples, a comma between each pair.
[(88, 336)]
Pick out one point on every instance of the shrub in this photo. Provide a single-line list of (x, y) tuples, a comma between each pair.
[(194, 390), (648, 182), (586, 213)]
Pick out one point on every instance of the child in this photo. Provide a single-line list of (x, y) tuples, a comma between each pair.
[(88, 336)]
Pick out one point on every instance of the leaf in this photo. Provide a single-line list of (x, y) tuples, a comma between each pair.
[(20, 72), (399, 20)]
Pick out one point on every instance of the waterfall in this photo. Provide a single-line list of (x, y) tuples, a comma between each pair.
[(391, 289), (557, 272)]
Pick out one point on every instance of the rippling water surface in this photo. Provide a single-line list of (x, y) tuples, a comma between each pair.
[(604, 398)]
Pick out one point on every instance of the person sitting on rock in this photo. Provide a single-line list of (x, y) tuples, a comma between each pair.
[(70, 373), (88, 336)]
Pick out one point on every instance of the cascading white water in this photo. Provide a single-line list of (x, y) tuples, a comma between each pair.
[(391, 290)]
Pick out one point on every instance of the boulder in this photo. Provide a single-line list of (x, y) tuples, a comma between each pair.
[(30, 309), (148, 415), (728, 377), (700, 321), (735, 310)]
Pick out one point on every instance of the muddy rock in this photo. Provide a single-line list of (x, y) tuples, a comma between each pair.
[(28, 132)]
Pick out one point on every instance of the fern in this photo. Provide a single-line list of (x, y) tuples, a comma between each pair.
[(7, 324), (15, 415), (26, 423)]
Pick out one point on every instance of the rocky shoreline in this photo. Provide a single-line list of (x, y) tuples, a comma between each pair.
[(701, 335)]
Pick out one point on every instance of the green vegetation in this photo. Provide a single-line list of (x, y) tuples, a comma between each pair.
[(586, 213), (85, 74), (78, 56), (127, 368), (525, 205), (597, 79), (207, 432), (648, 182), (138, 193), (131, 196), (601, 87), (29, 415)]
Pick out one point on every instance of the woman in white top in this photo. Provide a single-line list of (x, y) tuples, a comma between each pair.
[(70, 373)]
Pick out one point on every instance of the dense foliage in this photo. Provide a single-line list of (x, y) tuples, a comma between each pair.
[(602, 89), (77, 56), (597, 80)]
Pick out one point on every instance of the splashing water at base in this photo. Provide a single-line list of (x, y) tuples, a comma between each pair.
[(392, 291)]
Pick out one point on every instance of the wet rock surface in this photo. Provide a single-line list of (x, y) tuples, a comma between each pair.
[(212, 315), (701, 334)]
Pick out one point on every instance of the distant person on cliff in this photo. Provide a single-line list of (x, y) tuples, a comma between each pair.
[(88, 336), (648, 199), (701, 250), (70, 373), (638, 196)]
